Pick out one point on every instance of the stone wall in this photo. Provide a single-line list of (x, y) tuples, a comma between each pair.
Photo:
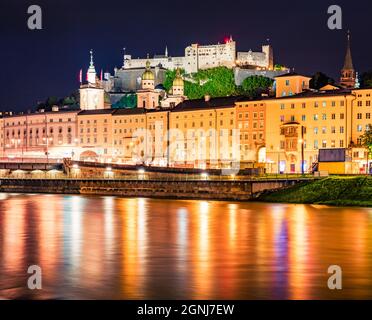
[(207, 190), (241, 74)]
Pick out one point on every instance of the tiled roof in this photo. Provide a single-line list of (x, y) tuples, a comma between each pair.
[(92, 112), (200, 104), (314, 94), (128, 111), (291, 74)]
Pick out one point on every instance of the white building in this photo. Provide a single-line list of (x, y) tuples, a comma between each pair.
[(206, 56), (92, 94)]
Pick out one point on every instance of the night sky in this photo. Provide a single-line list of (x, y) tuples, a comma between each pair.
[(38, 64)]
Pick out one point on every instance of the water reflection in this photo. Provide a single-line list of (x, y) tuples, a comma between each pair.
[(107, 247)]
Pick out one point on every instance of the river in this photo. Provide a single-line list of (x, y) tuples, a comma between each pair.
[(129, 248)]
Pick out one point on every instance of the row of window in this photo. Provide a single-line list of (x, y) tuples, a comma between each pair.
[(315, 105), (246, 115), (292, 144), (315, 117), (37, 141), (9, 124), (36, 131)]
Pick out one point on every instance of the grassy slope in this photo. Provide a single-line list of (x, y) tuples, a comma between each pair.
[(342, 191)]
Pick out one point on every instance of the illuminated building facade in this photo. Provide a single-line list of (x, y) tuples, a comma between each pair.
[(40, 135), (251, 123), (303, 123), (285, 132), (207, 56), (202, 133)]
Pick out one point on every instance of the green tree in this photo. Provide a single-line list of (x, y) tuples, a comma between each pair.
[(366, 139), (127, 101), (255, 85), (217, 82), (279, 67), (169, 77), (68, 101), (366, 79), (320, 80), (52, 101)]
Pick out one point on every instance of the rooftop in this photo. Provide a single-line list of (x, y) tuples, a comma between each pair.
[(95, 112), (291, 74), (200, 104)]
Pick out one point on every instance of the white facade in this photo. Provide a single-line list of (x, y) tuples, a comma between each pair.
[(206, 56), (92, 98), (92, 95)]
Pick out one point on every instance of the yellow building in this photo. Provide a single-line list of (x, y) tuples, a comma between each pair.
[(203, 133), (156, 137), (95, 135), (291, 84), (301, 124), (128, 127), (250, 118)]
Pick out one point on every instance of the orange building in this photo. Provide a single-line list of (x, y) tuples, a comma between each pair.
[(250, 120)]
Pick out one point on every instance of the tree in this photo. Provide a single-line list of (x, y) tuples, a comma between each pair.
[(320, 80), (279, 67), (255, 85), (366, 79), (366, 139), (216, 82), (127, 101)]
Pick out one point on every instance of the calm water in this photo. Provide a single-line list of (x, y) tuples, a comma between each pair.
[(106, 247)]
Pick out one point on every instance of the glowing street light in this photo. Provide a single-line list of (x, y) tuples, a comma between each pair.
[(204, 175)]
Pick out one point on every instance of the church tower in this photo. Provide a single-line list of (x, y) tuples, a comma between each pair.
[(91, 74), (148, 97), (178, 84), (348, 74), (92, 94), (176, 94)]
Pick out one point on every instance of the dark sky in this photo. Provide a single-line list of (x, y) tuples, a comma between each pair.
[(38, 64)]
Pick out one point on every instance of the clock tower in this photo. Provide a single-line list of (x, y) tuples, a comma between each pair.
[(92, 94)]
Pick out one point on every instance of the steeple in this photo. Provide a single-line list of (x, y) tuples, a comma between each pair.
[(348, 65), (348, 75), (91, 75), (166, 51)]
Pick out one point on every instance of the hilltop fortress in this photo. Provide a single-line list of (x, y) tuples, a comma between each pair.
[(207, 56)]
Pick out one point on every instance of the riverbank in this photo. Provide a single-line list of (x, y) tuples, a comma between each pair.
[(236, 190), (337, 191)]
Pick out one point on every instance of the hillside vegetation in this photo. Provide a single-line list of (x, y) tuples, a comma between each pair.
[(218, 82), (340, 191)]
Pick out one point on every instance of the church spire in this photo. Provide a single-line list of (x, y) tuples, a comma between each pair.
[(91, 75), (91, 59), (348, 76), (348, 65), (166, 51)]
